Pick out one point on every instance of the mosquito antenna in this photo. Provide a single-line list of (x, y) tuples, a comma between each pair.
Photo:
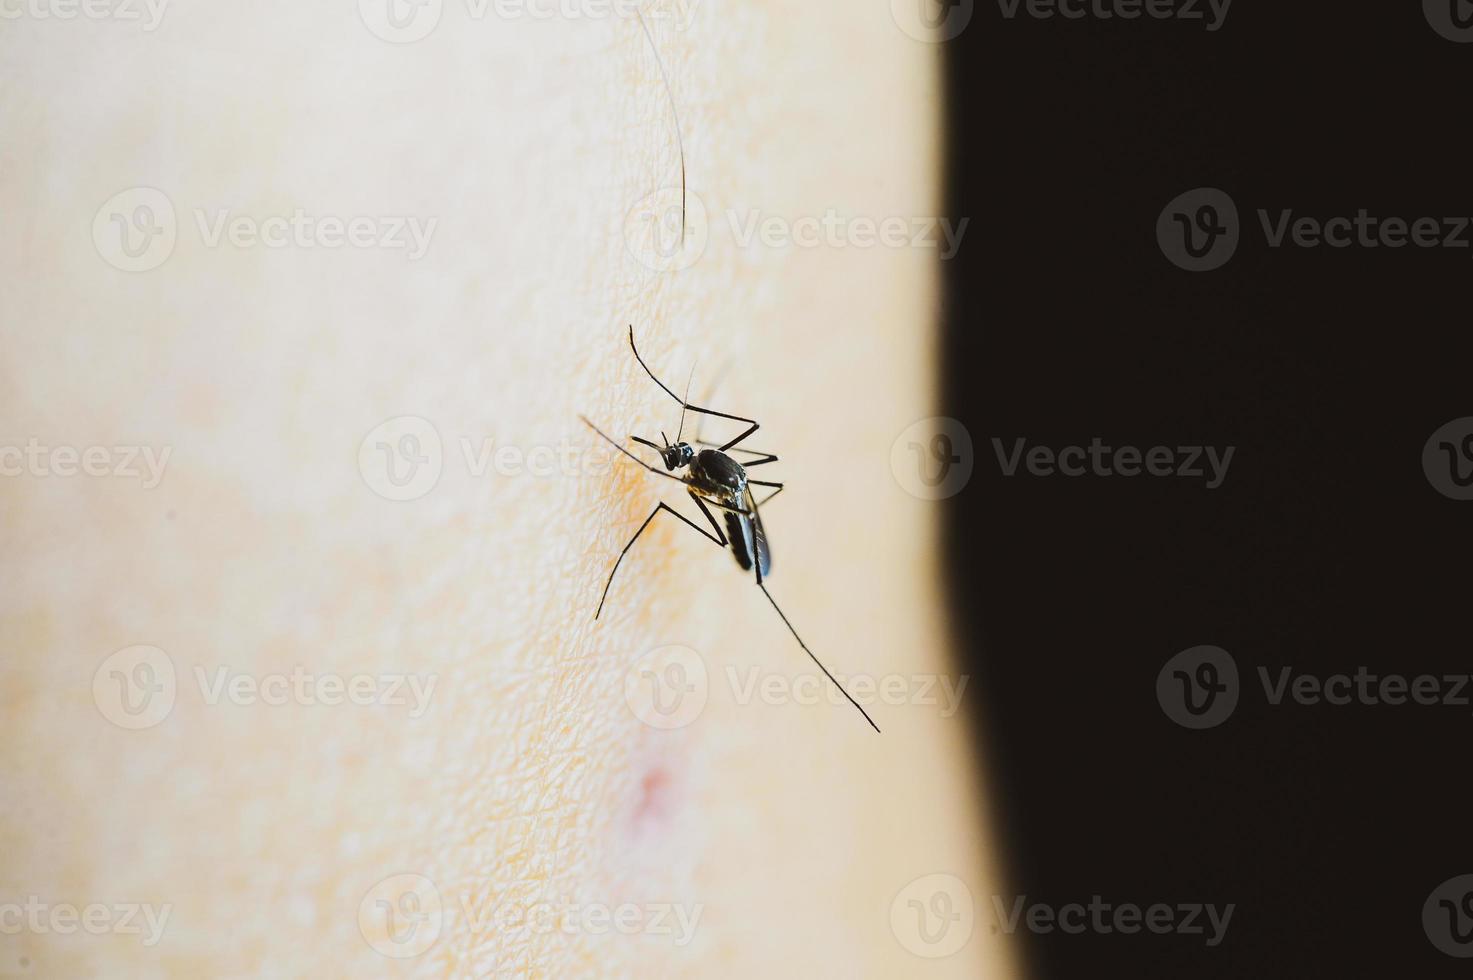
[(679, 139), (646, 442), (815, 659), (626, 452), (684, 402)]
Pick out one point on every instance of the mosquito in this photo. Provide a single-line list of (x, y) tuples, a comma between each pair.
[(713, 478)]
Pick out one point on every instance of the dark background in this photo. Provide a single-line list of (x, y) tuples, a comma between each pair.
[(1325, 549)]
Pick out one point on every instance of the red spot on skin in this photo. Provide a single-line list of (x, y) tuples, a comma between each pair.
[(653, 805)]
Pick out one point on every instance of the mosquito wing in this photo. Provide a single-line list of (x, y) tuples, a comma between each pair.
[(748, 537)]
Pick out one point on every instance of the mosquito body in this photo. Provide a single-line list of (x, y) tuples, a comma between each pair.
[(714, 479)]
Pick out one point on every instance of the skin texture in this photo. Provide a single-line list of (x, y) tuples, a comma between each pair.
[(788, 829)]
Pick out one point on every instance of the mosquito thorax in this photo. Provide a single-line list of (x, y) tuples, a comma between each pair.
[(715, 469)]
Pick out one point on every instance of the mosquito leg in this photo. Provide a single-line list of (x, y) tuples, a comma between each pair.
[(765, 483), (766, 457), (753, 427), (709, 516), (658, 507), (629, 454), (813, 658)]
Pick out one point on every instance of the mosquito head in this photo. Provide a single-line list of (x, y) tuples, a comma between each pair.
[(677, 455), (673, 456)]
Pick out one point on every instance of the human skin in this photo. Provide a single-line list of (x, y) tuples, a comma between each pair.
[(528, 781)]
